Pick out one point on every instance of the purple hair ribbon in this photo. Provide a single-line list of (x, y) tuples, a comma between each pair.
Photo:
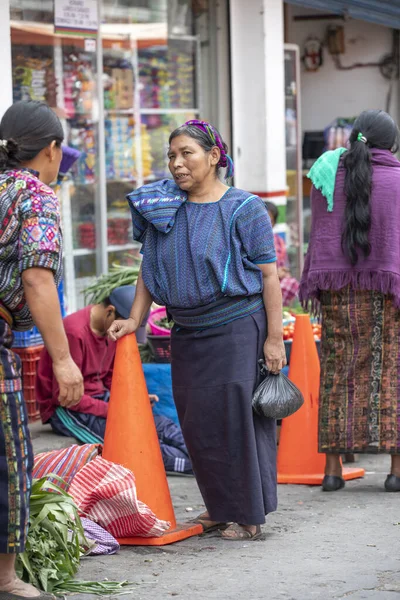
[(225, 161)]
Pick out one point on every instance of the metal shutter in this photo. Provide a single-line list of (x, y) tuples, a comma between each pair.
[(383, 12)]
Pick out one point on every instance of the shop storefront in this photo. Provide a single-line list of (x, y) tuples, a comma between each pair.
[(350, 62), (147, 56)]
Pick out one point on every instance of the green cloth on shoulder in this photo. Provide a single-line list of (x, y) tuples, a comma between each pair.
[(323, 174)]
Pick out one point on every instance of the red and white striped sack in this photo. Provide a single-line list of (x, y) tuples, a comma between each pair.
[(65, 463), (106, 493)]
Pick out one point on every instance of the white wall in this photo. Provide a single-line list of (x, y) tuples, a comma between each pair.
[(248, 93), (257, 69), (6, 96), (330, 93), (215, 100), (274, 81)]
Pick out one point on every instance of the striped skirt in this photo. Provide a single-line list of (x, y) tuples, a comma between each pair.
[(16, 456), (360, 373)]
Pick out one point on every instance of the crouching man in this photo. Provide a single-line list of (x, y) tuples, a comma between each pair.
[(94, 355)]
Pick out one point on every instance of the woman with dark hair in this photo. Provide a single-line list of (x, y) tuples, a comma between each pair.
[(30, 268), (352, 271), (209, 257), (289, 284)]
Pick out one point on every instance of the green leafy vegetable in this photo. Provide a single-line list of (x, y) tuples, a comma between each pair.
[(164, 323), (97, 588), (56, 538), (295, 309), (104, 285), (146, 354), (56, 542)]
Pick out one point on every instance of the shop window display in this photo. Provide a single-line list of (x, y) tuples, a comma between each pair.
[(149, 60)]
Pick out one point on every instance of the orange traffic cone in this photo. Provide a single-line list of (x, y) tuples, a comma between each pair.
[(131, 441), (298, 458)]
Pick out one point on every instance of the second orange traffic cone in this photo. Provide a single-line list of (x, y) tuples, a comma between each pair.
[(298, 458), (131, 440)]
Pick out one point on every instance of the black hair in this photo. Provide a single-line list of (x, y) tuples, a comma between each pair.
[(378, 130), (273, 209), (200, 136), (107, 302), (26, 128)]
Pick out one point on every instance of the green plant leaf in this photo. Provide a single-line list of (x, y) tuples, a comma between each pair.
[(55, 543)]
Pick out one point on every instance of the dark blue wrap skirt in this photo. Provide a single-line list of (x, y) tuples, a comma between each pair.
[(233, 451)]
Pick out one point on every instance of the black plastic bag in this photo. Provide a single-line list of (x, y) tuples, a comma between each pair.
[(276, 397)]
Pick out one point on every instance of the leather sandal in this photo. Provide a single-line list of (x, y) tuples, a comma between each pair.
[(242, 534), (332, 483), (205, 523)]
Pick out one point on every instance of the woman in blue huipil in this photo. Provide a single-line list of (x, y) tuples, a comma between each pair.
[(209, 257)]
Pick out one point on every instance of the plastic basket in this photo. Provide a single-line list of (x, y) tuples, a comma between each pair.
[(161, 347), (156, 315), (30, 359), (27, 339)]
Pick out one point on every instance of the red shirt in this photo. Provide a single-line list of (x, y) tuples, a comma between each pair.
[(94, 356)]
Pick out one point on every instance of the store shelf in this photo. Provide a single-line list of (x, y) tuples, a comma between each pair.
[(122, 247), (168, 111), (120, 111), (113, 248), (122, 180), (183, 38), (122, 147), (83, 251)]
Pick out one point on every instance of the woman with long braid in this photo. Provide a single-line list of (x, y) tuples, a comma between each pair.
[(353, 269)]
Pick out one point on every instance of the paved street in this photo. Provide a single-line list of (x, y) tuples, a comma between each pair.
[(318, 546)]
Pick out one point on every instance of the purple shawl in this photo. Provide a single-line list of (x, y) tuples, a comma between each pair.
[(326, 267)]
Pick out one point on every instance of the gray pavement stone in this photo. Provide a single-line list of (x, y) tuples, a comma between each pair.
[(44, 439), (318, 546)]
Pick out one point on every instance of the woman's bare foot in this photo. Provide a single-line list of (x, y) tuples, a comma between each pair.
[(20, 588), (9, 582), (207, 523)]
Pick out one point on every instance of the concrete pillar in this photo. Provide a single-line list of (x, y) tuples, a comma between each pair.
[(6, 96), (258, 103)]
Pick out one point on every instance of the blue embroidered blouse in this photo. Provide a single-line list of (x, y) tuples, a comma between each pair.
[(194, 254)]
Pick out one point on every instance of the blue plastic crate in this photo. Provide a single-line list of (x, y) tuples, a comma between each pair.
[(25, 339)]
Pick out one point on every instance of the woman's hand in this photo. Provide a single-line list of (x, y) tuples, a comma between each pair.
[(274, 354), (122, 327), (70, 381)]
